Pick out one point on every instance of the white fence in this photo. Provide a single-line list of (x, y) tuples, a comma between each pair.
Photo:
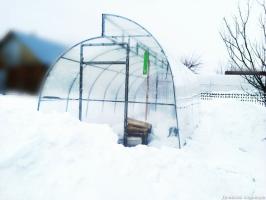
[(253, 98)]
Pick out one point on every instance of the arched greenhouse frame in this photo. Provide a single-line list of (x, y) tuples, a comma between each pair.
[(123, 74)]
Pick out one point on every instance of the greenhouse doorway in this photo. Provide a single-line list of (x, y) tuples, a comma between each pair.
[(87, 60)]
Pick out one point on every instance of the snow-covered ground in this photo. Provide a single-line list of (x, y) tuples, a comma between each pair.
[(52, 156), (224, 83)]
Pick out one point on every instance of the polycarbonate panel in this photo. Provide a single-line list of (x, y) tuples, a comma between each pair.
[(60, 78), (117, 26), (103, 86), (121, 29)]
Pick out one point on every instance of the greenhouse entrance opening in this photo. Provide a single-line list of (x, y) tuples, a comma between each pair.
[(121, 78), (122, 64)]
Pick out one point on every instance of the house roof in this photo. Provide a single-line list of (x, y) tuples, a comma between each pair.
[(44, 50)]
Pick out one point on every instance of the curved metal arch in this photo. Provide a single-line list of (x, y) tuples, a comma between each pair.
[(140, 26), (151, 35), (74, 80), (97, 78), (116, 75), (127, 19), (137, 89), (55, 62), (162, 50), (130, 86), (118, 90), (99, 75)]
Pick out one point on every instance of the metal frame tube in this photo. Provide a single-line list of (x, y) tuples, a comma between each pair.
[(50, 98), (126, 97), (112, 80), (80, 82)]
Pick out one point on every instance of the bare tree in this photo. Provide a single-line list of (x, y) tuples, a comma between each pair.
[(192, 63), (222, 67), (246, 55)]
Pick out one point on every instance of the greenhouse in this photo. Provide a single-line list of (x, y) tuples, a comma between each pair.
[(123, 78)]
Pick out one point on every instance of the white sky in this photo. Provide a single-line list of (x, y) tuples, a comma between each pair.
[(183, 27)]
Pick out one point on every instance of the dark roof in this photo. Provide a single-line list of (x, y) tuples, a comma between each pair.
[(44, 50)]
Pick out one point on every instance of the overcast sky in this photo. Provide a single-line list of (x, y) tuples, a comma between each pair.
[(183, 27)]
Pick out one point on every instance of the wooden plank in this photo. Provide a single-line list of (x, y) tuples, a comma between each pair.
[(137, 129), (137, 123)]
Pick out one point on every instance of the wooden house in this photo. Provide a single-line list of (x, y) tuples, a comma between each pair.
[(24, 60)]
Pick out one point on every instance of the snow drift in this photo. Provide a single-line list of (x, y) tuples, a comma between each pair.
[(54, 156)]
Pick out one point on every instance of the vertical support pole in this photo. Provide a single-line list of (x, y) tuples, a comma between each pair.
[(147, 93), (156, 94), (126, 97), (177, 126), (178, 134), (80, 81), (103, 25), (167, 70)]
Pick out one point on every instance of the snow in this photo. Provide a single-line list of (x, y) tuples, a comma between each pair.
[(224, 83), (51, 156)]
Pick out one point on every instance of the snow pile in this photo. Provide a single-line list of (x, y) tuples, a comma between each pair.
[(51, 156)]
